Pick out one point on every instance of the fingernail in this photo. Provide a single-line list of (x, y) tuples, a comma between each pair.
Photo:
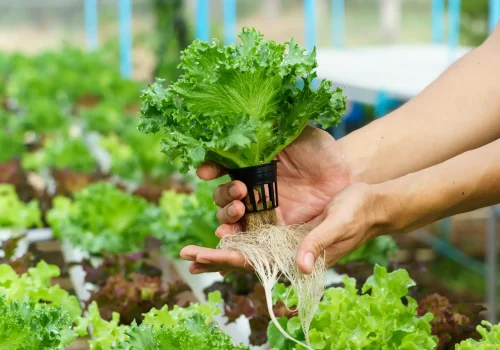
[(231, 211), (234, 191), (308, 261)]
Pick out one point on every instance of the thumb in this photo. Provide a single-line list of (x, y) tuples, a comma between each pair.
[(315, 243)]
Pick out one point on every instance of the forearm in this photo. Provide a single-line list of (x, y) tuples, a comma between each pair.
[(466, 182), (460, 111)]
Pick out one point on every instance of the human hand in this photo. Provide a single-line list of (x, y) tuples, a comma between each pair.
[(311, 171), (355, 215)]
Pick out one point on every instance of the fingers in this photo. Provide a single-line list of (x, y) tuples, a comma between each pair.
[(213, 260), (231, 213), (196, 268), (315, 243), (189, 252), (226, 193), (228, 258), (210, 171), (228, 229)]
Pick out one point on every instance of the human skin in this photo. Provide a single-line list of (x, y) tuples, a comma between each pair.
[(435, 156)]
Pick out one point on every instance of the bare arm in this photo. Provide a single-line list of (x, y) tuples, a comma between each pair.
[(361, 212), (460, 111), (464, 183)]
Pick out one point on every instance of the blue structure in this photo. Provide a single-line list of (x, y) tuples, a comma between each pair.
[(91, 24), (453, 23), (310, 18), (125, 22), (203, 20), (437, 14), (229, 18), (494, 14), (338, 25), (229, 15)]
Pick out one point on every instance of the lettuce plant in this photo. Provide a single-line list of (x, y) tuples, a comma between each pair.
[(16, 214), (102, 217), (35, 288), (490, 338), (28, 326), (130, 285), (375, 319), (61, 153), (179, 328), (35, 285), (11, 145), (132, 159), (190, 218), (375, 251), (451, 323), (238, 105)]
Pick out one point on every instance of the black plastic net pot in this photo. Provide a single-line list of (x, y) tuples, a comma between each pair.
[(262, 198)]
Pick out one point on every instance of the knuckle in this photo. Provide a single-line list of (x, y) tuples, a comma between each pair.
[(220, 195), (216, 194), (318, 245), (221, 216)]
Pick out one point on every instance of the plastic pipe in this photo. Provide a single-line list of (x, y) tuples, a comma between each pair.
[(310, 18), (91, 24), (451, 252), (125, 22), (494, 14), (338, 23), (229, 21), (437, 21), (203, 20), (453, 23)]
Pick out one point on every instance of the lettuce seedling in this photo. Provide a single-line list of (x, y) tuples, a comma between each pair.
[(101, 217), (490, 338), (28, 326), (239, 105)]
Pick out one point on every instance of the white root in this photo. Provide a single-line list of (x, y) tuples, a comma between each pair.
[(271, 251)]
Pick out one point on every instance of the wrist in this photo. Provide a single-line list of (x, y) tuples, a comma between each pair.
[(360, 156), (391, 215)]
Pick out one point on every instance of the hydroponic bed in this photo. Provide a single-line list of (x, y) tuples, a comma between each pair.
[(76, 172)]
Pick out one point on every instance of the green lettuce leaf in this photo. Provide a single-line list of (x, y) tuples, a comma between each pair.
[(61, 153), (189, 333), (190, 218), (36, 286), (16, 214), (132, 159), (490, 335), (180, 328), (103, 218), (28, 326), (375, 251), (375, 319), (11, 145), (238, 105)]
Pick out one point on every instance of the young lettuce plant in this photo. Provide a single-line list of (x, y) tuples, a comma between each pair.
[(190, 218), (15, 214), (239, 106), (101, 217), (380, 316), (35, 286), (28, 326), (178, 328), (490, 338)]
